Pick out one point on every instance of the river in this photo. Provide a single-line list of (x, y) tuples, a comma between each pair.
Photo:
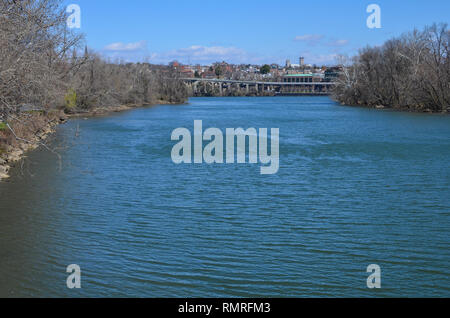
[(355, 187)]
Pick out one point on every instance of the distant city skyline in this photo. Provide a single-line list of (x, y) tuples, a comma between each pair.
[(253, 32)]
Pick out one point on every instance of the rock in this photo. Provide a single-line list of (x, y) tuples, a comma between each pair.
[(63, 118), (33, 146), (4, 169), (4, 172), (15, 156), (379, 107)]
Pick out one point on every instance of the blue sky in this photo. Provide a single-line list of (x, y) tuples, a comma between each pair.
[(246, 31)]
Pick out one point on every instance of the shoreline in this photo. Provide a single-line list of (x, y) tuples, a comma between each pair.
[(14, 153), (399, 109), (377, 107), (108, 110)]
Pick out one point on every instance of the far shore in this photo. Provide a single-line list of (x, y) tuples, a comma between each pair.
[(400, 109), (107, 110), (378, 107)]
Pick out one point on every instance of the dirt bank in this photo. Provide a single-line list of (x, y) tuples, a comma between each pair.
[(23, 133)]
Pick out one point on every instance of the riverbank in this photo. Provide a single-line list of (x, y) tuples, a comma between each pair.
[(399, 109), (29, 130), (107, 110), (408, 73), (25, 132)]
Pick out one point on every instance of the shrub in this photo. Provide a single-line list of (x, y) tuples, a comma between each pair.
[(71, 99)]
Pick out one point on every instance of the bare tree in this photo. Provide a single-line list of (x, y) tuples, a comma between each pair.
[(41, 69), (34, 41), (409, 72)]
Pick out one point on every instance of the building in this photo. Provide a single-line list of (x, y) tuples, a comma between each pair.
[(302, 78), (288, 63), (302, 61), (186, 71), (332, 73)]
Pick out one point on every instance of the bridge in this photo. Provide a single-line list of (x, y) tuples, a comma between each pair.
[(223, 87)]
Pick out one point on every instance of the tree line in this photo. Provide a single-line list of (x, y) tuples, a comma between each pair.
[(408, 72), (43, 66)]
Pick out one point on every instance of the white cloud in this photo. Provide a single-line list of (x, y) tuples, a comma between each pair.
[(311, 39), (338, 43), (315, 39), (203, 54), (320, 59), (126, 47)]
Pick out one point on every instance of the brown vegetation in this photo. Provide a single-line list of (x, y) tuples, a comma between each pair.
[(410, 72), (42, 72)]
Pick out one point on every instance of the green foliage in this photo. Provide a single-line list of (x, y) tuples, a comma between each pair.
[(265, 69), (71, 99), (3, 126), (219, 70)]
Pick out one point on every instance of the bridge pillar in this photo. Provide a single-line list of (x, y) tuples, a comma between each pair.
[(246, 88), (220, 89)]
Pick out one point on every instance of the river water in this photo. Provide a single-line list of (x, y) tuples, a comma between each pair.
[(355, 187)]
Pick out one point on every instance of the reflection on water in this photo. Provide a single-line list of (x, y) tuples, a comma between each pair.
[(355, 187)]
